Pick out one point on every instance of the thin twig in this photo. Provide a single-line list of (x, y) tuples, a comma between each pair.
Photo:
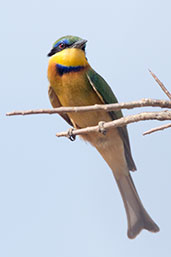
[(157, 129), (164, 115), (98, 107), (161, 84)]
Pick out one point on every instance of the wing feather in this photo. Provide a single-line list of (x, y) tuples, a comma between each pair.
[(56, 103), (106, 94)]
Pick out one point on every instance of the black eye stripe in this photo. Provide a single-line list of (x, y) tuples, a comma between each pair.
[(61, 46)]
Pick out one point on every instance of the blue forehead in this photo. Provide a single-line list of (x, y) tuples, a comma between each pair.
[(65, 41)]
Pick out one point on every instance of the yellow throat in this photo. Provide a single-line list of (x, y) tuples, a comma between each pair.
[(69, 57)]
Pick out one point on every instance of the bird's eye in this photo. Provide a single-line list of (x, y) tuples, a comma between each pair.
[(61, 46)]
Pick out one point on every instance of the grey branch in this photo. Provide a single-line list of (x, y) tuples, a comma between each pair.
[(157, 129), (98, 107), (164, 115), (161, 84)]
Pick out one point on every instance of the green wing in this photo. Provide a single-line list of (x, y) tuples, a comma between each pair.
[(105, 92)]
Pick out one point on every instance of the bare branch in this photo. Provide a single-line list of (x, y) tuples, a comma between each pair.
[(164, 115), (98, 107), (157, 129), (161, 84)]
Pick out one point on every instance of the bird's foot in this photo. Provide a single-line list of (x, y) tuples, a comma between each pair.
[(101, 127), (70, 134)]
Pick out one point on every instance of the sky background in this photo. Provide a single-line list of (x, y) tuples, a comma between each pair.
[(57, 197)]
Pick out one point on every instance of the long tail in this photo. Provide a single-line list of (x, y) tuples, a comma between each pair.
[(111, 149), (137, 216)]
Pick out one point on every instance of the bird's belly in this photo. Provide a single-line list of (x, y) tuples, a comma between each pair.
[(75, 90)]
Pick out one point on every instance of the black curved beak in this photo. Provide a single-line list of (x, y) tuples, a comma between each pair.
[(79, 44), (52, 52)]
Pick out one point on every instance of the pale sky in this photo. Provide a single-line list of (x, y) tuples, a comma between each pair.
[(59, 198)]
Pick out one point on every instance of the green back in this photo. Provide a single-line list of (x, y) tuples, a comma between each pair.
[(104, 90)]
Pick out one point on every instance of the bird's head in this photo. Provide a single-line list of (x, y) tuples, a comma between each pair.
[(69, 51)]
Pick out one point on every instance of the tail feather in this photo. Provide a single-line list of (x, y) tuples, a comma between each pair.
[(137, 216), (111, 149)]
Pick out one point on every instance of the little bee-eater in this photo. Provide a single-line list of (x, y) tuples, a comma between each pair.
[(74, 83)]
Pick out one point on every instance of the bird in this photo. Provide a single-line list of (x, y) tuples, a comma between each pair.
[(73, 82)]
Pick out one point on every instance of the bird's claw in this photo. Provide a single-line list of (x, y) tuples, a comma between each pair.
[(70, 134), (101, 127)]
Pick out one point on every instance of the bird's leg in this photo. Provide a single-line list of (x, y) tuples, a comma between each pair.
[(70, 134), (101, 127)]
